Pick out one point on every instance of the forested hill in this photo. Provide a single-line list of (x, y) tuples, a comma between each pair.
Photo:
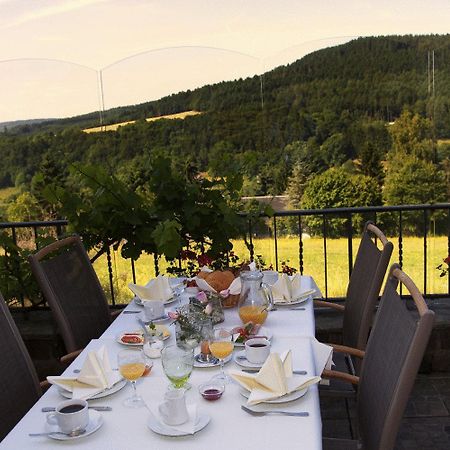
[(319, 96)]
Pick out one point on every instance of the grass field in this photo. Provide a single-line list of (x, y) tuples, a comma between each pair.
[(313, 263)]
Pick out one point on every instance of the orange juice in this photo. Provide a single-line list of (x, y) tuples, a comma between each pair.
[(132, 371), (253, 313), (221, 349)]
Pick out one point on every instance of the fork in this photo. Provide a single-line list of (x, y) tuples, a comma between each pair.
[(283, 413), (295, 372)]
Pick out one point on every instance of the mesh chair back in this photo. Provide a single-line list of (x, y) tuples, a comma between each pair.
[(393, 356), (364, 287), (19, 384), (71, 287)]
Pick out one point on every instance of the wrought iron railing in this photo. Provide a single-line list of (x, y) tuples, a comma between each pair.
[(392, 218)]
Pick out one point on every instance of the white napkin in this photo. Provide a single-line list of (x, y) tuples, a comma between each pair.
[(157, 289), (274, 379), (95, 376), (323, 358), (286, 289), (186, 427)]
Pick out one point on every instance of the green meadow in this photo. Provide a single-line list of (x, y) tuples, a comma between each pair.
[(313, 263)]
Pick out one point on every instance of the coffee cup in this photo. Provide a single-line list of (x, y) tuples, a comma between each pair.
[(153, 309), (174, 410), (257, 350), (70, 416)]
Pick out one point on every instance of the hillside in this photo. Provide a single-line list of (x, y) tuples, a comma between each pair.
[(321, 96)]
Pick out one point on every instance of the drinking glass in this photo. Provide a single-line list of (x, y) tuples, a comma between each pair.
[(177, 364), (131, 366), (221, 346)]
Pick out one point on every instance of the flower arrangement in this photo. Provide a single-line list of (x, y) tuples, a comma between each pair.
[(444, 269)]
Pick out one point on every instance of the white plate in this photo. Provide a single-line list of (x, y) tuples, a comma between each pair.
[(161, 428), (112, 390), (205, 365), (303, 298), (139, 302), (95, 422), (286, 398), (262, 332), (237, 358), (130, 344), (164, 318)]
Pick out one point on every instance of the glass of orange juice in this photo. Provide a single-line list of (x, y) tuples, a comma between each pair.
[(131, 366), (221, 346)]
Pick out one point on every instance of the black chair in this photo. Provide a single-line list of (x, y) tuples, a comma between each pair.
[(19, 384), (71, 287), (393, 355), (363, 289)]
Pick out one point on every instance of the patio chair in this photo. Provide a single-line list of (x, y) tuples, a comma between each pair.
[(70, 285), (19, 384), (393, 355), (363, 289)]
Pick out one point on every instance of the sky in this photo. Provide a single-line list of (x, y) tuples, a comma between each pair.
[(53, 53)]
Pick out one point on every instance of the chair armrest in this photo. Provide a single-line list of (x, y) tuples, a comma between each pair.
[(44, 385), (67, 359), (333, 305), (353, 379), (350, 350)]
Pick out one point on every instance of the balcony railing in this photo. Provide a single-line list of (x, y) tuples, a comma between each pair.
[(424, 221)]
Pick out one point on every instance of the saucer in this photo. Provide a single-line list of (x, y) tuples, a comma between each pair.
[(161, 428), (95, 422), (240, 359), (198, 363), (284, 399), (108, 391)]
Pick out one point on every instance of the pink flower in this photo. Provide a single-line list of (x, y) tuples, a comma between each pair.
[(225, 293), (208, 309), (201, 296), (204, 260), (173, 315)]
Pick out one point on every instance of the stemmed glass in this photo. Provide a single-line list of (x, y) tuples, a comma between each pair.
[(177, 365), (221, 346), (132, 366)]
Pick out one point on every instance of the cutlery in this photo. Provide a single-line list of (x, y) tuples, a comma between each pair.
[(295, 372), (275, 411), (74, 433), (79, 370), (301, 308), (97, 408), (131, 312)]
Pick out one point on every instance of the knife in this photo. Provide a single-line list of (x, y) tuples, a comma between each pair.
[(296, 372), (97, 408)]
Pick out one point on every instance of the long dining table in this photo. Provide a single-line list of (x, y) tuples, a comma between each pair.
[(229, 427)]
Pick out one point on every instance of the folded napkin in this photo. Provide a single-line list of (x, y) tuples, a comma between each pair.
[(286, 289), (157, 289), (323, 357), (95, 376), (274, 379), (186, 427)]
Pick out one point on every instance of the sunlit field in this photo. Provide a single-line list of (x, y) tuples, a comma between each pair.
[(313, 263)]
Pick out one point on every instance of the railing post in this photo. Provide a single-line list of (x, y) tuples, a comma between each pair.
[(110, 273), (250, 239), (300, 245), (325, 253), (133, 271), (276, 242), (400, 244), (448, 249), (425, 231), (155, 261), (350, 245)]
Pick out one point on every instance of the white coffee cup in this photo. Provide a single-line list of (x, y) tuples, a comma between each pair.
[(153, 309), (174, 410), (70, 416), (257, 350)]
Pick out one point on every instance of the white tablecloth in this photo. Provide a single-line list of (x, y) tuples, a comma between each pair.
[(229, 428)]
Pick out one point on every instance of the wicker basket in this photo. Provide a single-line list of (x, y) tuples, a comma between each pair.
[(230, 302)]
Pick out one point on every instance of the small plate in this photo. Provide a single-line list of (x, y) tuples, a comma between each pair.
[(112, 390), (240, 359), (130, 344), (95, 422), (286, 398), (262, 332), (161, 428), (205, 365), (161, 319), (161, 329), (303, 298)]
